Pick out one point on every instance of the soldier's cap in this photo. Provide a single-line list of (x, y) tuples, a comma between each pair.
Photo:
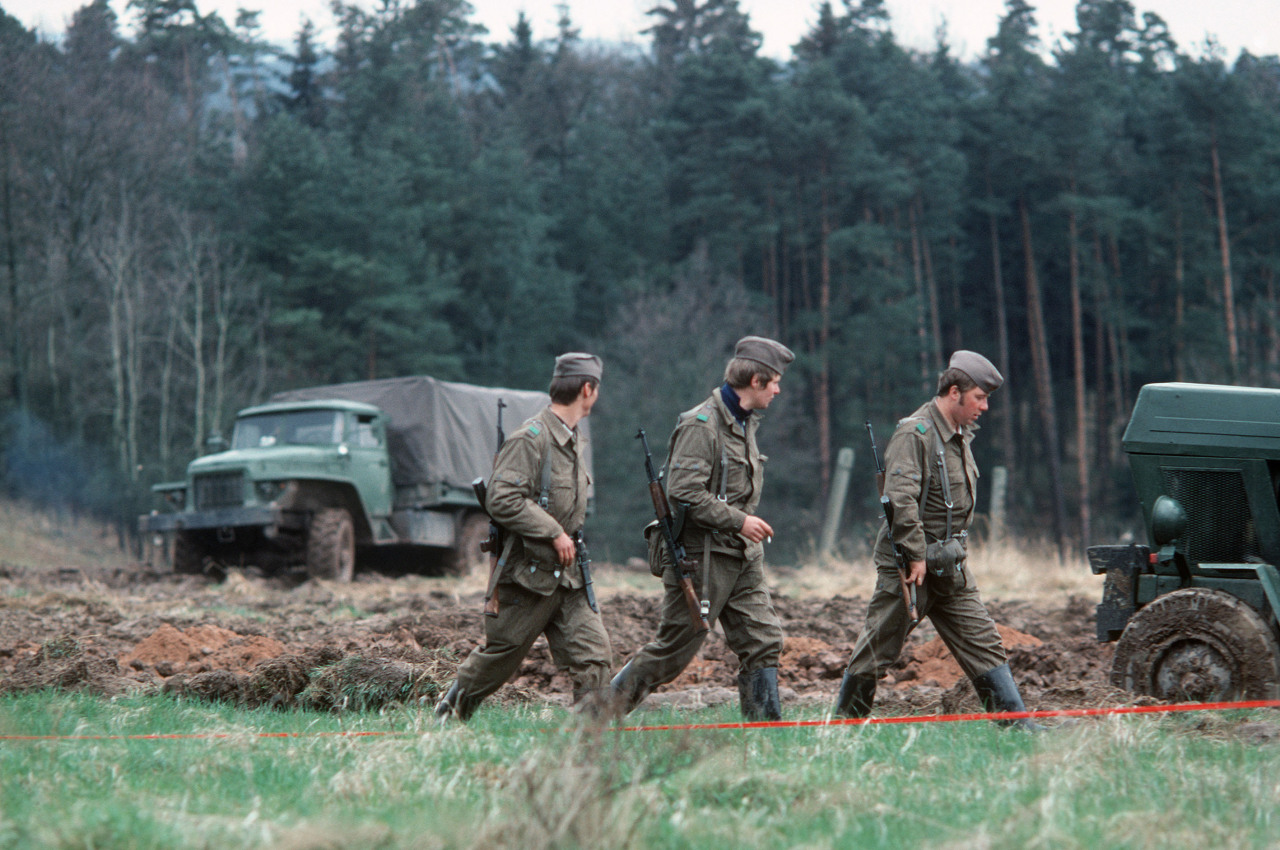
[(982, 370), (578, 364), (769, 353)]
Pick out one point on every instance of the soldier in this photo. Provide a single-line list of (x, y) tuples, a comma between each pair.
[(931, 480), (715, 475), (538, 495)]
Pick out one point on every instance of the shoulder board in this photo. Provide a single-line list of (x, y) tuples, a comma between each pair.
[(533, 429), (702, 417), (921, 424)]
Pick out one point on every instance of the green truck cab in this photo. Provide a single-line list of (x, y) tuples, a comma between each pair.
[(319, 475), (1194, 611)]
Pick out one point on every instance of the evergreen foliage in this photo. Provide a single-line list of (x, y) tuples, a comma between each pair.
[(188, 224)]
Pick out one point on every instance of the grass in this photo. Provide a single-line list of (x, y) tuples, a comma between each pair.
[(535, 778), (1008, 569), (33, 538)]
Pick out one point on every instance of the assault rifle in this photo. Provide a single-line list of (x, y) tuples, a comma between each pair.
[(492, 545), (886, 506), (684, 564)]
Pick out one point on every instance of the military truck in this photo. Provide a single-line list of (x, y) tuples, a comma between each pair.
[(317, 475), (1194, 611)]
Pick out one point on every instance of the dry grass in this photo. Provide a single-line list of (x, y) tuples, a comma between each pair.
[(1006, 570), (32, 538)]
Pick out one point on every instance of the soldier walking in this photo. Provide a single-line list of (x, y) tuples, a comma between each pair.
[(931, 481), (538, 495), (715, 476)]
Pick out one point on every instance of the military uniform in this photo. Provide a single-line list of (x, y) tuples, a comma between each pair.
[(715, 475), (951, 602), (536, 594), (931, 481)]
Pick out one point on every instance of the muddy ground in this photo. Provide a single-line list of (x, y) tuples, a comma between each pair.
[(396, 639)]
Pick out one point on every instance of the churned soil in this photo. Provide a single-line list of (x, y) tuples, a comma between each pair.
[(389, 639)]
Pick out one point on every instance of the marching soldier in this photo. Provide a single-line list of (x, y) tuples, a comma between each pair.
[(538, 495), (931, 480), (715, 476)]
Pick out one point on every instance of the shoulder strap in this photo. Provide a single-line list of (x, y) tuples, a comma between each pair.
[(544, 494)]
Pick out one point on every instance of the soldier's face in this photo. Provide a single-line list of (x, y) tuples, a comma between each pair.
[(759, 395), (970, 405)]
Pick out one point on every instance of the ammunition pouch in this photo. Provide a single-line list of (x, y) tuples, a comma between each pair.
[(659, 553), (944, 558)]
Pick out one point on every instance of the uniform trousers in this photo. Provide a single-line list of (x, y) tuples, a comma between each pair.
[(954, 607), (575, 634)]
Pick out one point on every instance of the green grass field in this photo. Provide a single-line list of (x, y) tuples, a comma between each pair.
[(539, 778)]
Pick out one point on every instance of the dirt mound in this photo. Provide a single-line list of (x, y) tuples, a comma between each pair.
[(169, 651)]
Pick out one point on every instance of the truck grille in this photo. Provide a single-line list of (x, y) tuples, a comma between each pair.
[(219, 490), (1220, 527)]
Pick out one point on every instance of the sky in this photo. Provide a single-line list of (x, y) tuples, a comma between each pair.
[(1234, 24)]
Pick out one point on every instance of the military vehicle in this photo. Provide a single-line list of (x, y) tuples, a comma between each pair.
[(1194, 612), (318, 474)]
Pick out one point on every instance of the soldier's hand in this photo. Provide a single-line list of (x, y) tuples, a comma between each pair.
[(915, 575), (565, 550), (755, 529)]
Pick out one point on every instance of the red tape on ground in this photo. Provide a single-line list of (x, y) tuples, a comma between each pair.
[(764, 724), (957, 718)]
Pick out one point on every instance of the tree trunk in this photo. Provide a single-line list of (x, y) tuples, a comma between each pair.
[(822, 396), (930, 286), (1077, 357), (1043, 380), (1002, 336), (922, 301), (1224, 247)]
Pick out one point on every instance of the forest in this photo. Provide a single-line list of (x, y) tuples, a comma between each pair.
[(192, 218)]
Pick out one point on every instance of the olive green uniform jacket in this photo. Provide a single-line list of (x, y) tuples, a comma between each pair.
[(536, 595), (708, 447), (952, 603)]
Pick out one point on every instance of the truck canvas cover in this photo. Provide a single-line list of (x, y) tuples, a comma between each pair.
[(440, 432)]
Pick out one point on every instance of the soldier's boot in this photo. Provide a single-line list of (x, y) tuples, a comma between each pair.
[(758, 694), (595, 704), (857, 693), (626, 691), (456, 704), (998, 693)]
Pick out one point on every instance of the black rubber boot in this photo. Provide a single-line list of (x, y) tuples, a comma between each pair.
[(758, 694), (625, 691), (857, 693), (998, 693), (456, 704)]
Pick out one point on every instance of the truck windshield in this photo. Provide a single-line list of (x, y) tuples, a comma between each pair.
[(299, 427)]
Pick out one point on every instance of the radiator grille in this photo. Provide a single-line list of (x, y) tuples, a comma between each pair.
[(219, 490), (1220, 526)]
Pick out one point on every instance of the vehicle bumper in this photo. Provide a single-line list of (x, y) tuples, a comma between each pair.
[(264, 517)]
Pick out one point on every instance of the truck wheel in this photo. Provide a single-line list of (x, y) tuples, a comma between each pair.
[(188, 554), (1198, 645), (331, 545), (466, 557)]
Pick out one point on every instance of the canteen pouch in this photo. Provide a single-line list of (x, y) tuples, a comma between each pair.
[(943, 558)]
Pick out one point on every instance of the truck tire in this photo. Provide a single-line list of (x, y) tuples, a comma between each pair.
[(188, 554), (331, 545), (1198, 645), (466, 557)]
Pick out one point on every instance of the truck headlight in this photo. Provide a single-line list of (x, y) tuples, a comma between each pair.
[(1168, 520), (268, 491)]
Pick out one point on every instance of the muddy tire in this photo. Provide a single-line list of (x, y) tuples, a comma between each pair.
[(1198, 645), (331, 545), (466, 558), (188, 554)]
